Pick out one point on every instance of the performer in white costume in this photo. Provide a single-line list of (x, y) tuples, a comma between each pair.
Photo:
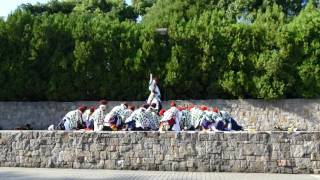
[(73, 118), (115, 119), (171, 118), (98, 116), (139, 119), (155, 95)]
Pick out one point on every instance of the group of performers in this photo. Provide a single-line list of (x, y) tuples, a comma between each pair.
[(149, 117)]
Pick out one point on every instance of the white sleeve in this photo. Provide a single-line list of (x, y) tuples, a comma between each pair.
[(67, 125), (129, 119), (109, 115), (157, 105), (85, 115), (229, 128), (68, 115), (152, 86), (107, 118), (213, 128), (150, 81)]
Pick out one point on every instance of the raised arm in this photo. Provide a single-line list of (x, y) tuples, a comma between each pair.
[(152, 84), (150, 81)]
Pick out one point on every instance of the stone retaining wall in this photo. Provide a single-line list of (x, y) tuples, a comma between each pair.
[(262, 115), (275, 152)]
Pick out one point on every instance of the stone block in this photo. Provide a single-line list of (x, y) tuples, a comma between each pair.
[(148, 160), (182, 166), (247, 149), (190, 163), (302, 150), (80, 159), (316, 171), (315, 164), (175, 166), (34, 144), (255, 166), (110, 164), (213, 147), (315, 156), (114, 155), (156, 148), (114, 142), (112, 148), (139, 160), (125, 140), (260, 149), (303, 163), (125, 148), (103, 155), (35, 153), (203, 136)]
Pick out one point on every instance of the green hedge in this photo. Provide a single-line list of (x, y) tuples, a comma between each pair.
[(93, 49)]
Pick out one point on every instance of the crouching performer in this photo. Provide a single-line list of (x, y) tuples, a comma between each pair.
[(230, 123), (196, 115), (212, 121), (139, 120), (153, 116), (98, 115), (72, 120), (115, 119), (185, 121), (171, 119)]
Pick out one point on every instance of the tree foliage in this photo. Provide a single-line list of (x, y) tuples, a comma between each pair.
[(92, 49)]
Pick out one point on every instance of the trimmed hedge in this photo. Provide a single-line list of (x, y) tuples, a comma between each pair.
[(88, 50)]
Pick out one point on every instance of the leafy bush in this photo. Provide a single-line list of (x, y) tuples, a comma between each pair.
[(87, 50)]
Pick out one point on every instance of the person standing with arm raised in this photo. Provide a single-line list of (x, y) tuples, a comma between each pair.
[(155, 95)]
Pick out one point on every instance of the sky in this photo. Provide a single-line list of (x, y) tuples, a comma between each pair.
[(7, 6)]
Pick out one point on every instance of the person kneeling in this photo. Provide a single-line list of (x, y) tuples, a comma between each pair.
[(98, 115), (214, 123), (230, 123), (115, 119), (171, 119), (139, 120), (72, 120)]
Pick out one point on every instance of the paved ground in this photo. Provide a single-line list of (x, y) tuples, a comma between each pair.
[(85, 174)]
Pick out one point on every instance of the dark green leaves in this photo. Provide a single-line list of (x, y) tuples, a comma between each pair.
[(92, 49)]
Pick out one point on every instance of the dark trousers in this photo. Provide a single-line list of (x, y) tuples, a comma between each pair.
[(106, 128)]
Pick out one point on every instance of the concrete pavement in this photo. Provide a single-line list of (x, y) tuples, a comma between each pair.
[(89, 174)]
